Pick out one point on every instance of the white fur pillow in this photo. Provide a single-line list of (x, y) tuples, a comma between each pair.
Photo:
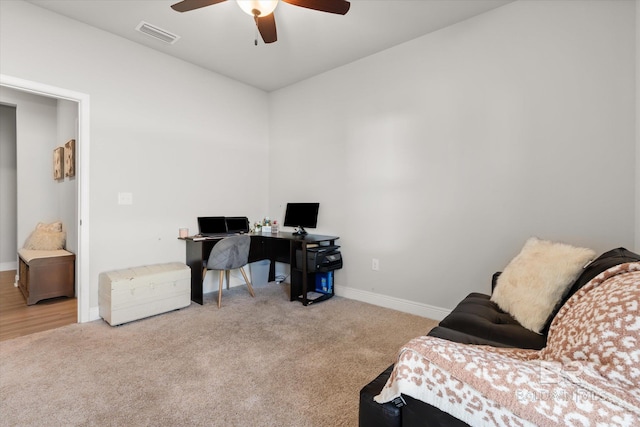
[(537, 278), (46, 237)]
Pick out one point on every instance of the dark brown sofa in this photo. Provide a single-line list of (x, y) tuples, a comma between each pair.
[(475, 320)]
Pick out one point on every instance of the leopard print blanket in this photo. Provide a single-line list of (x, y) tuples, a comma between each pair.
[(587, 375)]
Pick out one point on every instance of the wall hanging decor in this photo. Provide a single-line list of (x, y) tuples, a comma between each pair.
[(58, 161), (70, 158)]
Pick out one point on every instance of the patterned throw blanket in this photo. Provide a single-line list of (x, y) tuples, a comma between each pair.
[(587, 375)]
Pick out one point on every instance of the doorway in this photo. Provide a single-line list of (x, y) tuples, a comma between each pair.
[(82, 174), (8, 188)]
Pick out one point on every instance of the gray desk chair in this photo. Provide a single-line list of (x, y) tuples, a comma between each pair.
[(228, 254)]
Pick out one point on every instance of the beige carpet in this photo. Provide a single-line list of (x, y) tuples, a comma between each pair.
[(260, 361)]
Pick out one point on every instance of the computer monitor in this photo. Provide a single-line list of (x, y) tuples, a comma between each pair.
[(212, 225), (237, 224), (301, 215)]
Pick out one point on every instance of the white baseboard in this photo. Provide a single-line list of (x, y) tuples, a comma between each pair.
[(8, 266), (406, 306)]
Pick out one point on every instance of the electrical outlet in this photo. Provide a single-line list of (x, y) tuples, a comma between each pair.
[(375, 264)]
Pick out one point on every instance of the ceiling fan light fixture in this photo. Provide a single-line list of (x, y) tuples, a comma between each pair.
[(258, 7)]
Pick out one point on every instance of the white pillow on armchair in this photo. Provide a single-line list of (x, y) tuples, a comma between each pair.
[(537, 278)]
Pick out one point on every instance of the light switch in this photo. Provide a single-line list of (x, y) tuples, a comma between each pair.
[(125, 198)]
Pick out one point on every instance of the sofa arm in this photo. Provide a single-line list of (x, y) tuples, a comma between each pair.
[(494, 280), (374, 414)]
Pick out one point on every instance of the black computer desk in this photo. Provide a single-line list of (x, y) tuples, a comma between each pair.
[(280, 247)]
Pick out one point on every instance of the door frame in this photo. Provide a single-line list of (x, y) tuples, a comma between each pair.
[(83, 284)]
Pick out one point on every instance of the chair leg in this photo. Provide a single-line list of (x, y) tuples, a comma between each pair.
[(204, 273), (228, 278), (220, 288), (246, 279)]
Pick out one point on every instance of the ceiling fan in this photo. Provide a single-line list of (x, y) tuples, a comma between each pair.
[(262, 11)]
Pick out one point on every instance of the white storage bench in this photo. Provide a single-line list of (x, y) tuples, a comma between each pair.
[(139, 292)]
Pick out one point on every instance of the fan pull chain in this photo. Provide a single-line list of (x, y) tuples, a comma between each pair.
[(255, 40)]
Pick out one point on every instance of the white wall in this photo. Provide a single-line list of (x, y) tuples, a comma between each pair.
[(172, 134), (441, 156), (8, 189), (638, 126)]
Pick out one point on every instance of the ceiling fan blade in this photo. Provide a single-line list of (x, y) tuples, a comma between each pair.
[(339, 7), (267, 27), (187, 5)]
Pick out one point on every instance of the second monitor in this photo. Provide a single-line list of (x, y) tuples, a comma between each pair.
[(301, 215), (237, 224)]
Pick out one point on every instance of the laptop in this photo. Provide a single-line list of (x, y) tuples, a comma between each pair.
[(212, 226), (237, 224)]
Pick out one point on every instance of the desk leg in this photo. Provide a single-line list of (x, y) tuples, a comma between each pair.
[(292, 264), (272, 268), (305, 274), (194, 261)]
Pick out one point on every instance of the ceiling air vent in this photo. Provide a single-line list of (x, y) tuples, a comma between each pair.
[(157, 33)]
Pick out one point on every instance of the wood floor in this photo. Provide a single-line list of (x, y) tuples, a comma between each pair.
[(17, 318)]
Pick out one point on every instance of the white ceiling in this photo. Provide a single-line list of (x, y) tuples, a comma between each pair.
[(221, 37)]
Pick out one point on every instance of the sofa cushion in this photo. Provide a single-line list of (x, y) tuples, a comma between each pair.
[(537, 278), (462, 337), (478, 316), (374, 414)]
